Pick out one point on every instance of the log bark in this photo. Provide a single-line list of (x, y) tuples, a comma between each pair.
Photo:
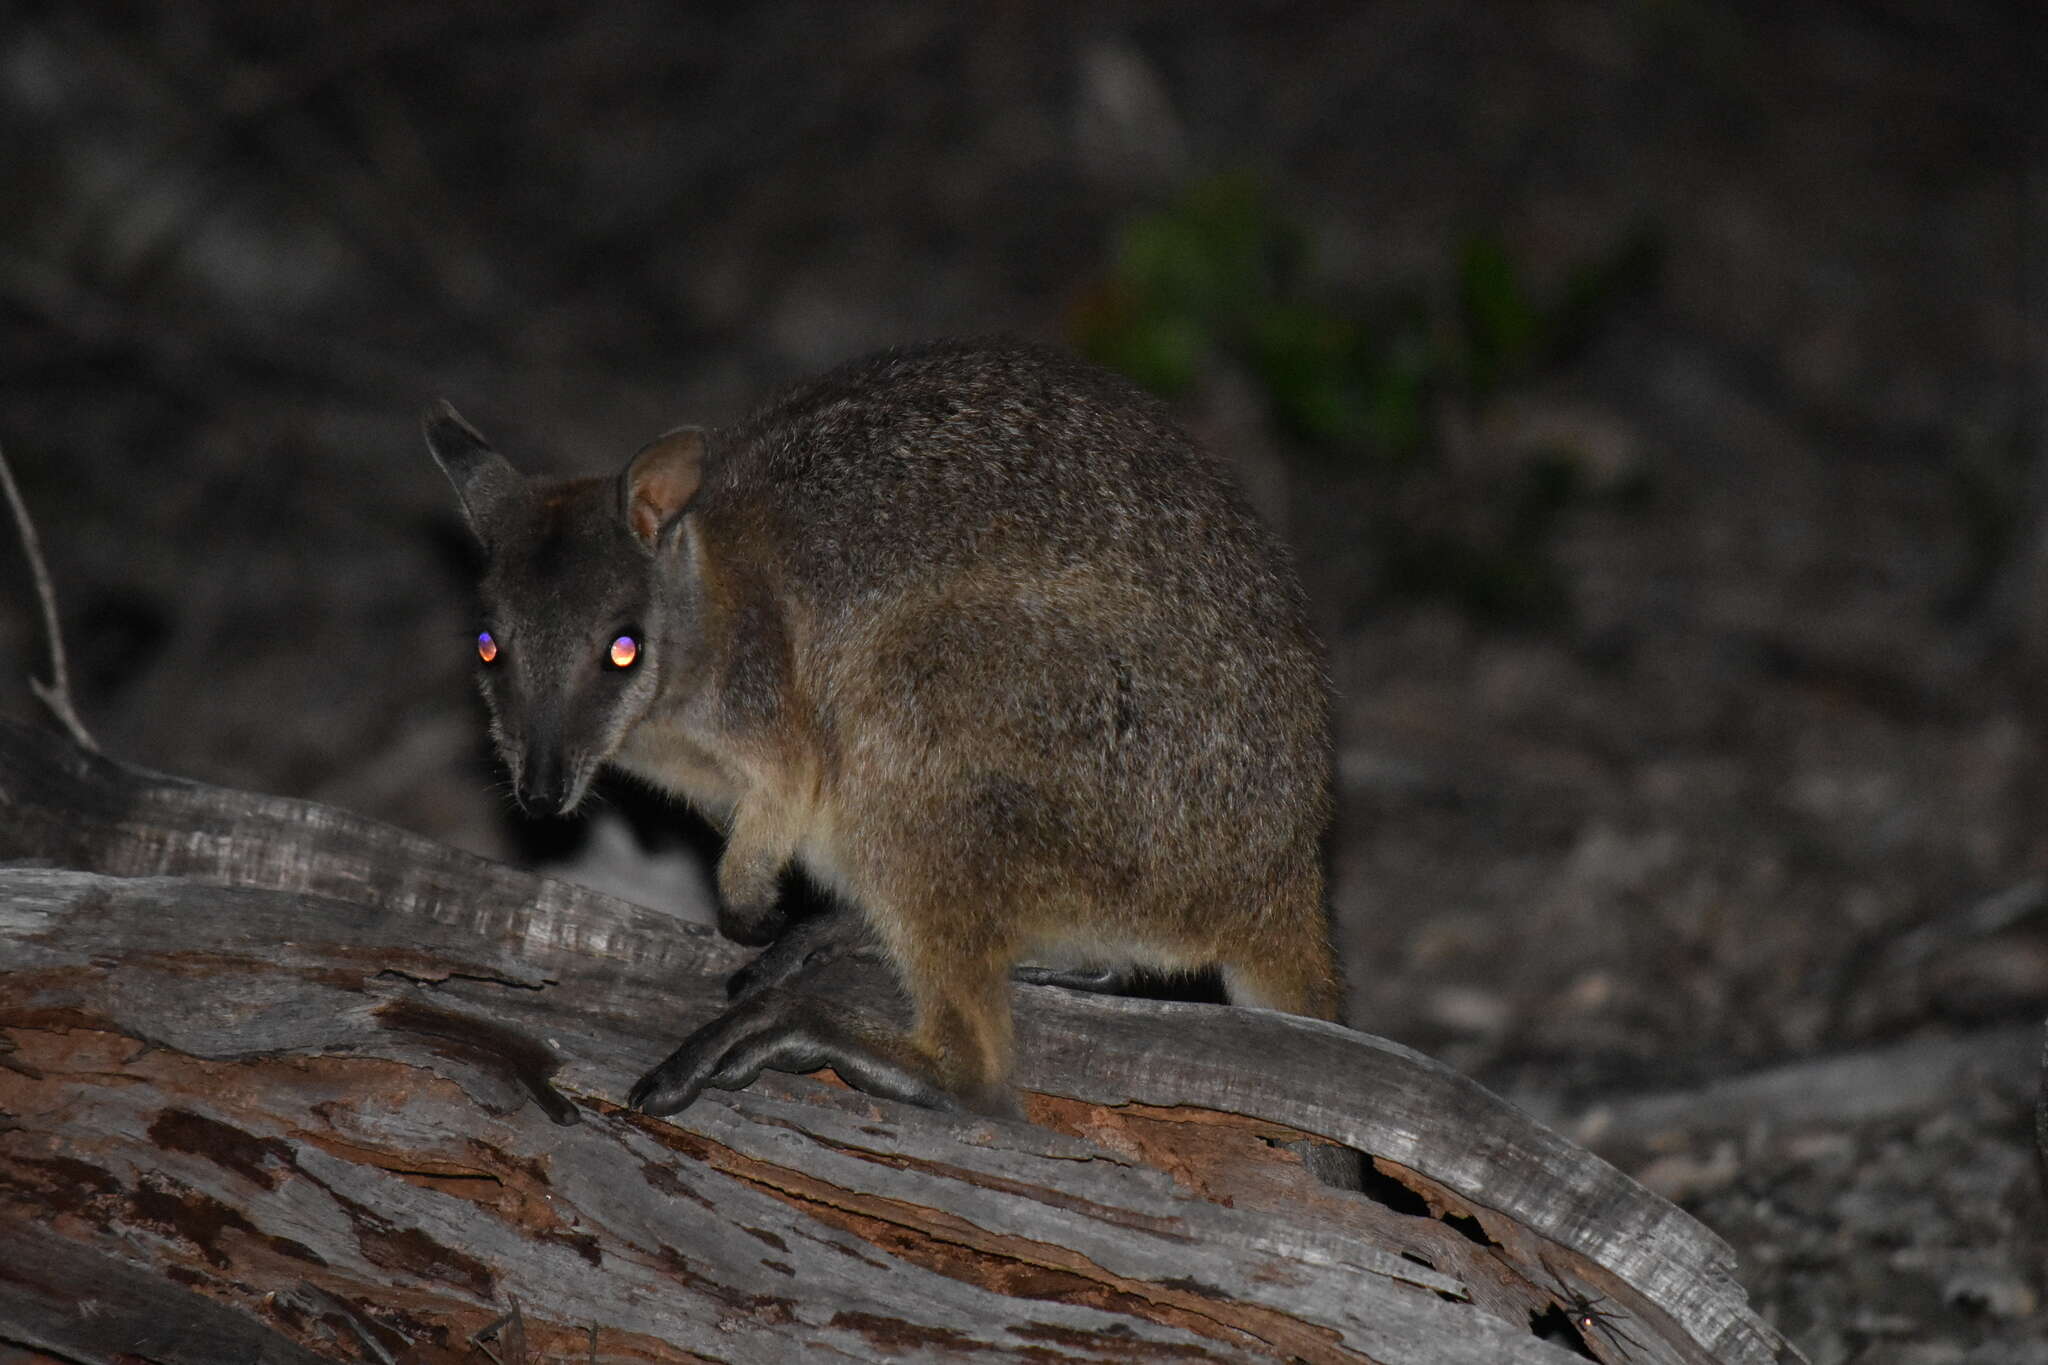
[(279, 1083)]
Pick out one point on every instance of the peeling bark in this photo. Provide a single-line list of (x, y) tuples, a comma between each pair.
[(283, 1084)]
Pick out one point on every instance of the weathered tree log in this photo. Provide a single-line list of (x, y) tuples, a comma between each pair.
[(280, 1083)]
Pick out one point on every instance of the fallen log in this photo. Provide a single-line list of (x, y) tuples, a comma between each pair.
[(1870, 1085), (281, 1083)]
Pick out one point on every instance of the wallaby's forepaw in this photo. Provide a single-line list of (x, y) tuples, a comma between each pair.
[(751, 924), (812, 942), (774, 1030)]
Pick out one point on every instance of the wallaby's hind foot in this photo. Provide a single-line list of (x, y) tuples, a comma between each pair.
[(777, 1030), (1306, 985)]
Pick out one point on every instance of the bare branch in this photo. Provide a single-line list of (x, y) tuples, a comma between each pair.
[(56, 694)]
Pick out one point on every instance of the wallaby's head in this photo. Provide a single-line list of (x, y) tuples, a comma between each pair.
[(587, 599)]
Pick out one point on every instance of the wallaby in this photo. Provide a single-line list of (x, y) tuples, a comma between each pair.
[(975, 635)]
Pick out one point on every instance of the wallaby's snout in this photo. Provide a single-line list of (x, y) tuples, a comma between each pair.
[(542, 784), (550, 763)]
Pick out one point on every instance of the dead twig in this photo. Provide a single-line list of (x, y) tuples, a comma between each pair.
[(1994, 914), (2041, 1115), (355, 1321), (56, 694), (511, 1328)]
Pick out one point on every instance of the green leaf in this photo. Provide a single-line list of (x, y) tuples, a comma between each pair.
[(1161, 351), (1500, 322), (1216, 255), (1307, 359)]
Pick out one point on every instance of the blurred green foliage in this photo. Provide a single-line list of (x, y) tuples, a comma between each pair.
[(1361, 384)]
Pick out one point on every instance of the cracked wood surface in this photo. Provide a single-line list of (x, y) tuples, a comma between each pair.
[(275, 1080)]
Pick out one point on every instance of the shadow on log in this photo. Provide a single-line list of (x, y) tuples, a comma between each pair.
[(279, 1083)]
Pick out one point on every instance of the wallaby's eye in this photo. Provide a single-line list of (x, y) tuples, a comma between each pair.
[(486, 648), (624, 650)]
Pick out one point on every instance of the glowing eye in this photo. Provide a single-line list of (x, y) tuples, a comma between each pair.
[(486, 648), (625, 649)]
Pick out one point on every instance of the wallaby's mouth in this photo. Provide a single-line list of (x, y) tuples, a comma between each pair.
[(548, 789), (546, 805)]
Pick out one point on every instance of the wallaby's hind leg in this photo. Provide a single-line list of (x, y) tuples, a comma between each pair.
[(963, 1023), (1306, 985)]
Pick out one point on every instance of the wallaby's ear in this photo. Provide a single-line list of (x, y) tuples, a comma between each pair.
[(660, 481), (488, 486)]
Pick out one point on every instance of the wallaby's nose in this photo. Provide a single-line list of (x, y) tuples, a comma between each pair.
[(543, 786)]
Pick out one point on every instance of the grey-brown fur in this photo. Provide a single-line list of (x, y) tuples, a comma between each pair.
[(976, 635)]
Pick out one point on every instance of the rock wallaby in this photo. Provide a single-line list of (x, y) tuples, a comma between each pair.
[(973, 634)]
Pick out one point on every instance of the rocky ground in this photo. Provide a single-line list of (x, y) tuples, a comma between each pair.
[(1691, 761)]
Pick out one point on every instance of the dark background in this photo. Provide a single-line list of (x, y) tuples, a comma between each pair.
[(1653, 391)]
